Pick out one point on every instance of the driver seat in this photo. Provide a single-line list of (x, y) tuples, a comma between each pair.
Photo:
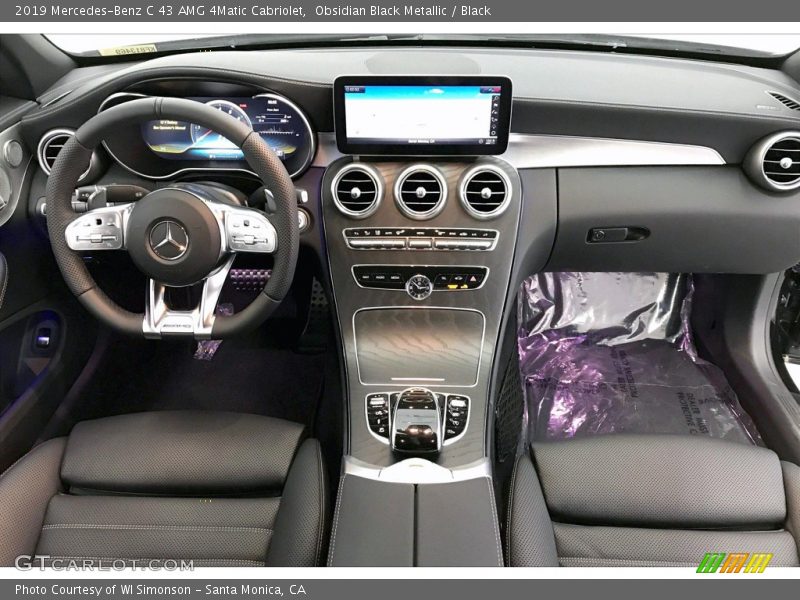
[(215, 488)]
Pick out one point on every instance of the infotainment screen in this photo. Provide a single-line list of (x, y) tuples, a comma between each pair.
[(410, 115)]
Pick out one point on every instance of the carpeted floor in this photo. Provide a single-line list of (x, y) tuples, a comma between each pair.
[(254, 374)]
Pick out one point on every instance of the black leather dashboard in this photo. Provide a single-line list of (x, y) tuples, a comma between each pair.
[(722, 108)]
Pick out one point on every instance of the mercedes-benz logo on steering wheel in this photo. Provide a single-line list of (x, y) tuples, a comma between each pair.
[(169, 240)]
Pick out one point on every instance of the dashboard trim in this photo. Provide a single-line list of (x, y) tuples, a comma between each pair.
[(525, 151), (394, 381), (417, 471), (530, 151)]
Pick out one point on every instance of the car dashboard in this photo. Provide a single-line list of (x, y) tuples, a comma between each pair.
[(597, 163)]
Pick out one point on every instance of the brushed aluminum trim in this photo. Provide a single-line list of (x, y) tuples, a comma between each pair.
[(534, 151)]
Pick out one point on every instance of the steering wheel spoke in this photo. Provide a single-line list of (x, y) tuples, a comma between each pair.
[(100, 229), (162, 321), (247, 230)]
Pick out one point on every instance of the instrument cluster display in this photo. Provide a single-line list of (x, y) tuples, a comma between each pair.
[(278, 121)]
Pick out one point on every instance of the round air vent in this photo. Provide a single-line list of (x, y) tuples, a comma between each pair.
[(420, 192), (51, 144), (485, 191), (774, 162), (357, 190)]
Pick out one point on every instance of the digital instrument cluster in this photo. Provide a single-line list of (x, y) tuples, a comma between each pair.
[(279, 122)]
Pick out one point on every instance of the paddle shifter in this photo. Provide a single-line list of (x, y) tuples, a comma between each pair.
[(417, 422)]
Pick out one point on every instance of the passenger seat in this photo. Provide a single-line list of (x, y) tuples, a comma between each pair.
[(650, 500)]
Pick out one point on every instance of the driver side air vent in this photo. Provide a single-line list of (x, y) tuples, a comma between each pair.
[(420, 192), (485, 192), (786, 101), (774, 162), (357, 190), (51, 145)]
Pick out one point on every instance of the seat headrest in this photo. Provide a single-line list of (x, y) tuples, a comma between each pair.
[(661, 481), (181, 453)]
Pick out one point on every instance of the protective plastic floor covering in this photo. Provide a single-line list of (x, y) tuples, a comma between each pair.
[(605, 353)]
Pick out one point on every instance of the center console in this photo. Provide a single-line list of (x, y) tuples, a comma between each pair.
[(419, 302), (420, 231)]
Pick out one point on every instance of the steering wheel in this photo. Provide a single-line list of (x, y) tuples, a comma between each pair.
[(179, 235)]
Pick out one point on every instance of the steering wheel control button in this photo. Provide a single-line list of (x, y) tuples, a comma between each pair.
[(169, 240), (99, 230), (248, 231), (419, 287)]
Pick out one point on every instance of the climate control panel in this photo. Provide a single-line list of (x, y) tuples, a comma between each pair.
[(439, 278), (420, 238)]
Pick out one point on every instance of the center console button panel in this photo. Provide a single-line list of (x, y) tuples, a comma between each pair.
[(455, 417), (453, 414), (420, 238), (444, 278)]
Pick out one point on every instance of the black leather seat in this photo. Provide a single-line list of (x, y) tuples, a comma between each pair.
[(220, 489), (651, 500)]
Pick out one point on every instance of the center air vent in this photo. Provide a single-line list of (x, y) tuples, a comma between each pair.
[(485, 191), (420, 192), (774, 162), (357, 190), (51, 145)]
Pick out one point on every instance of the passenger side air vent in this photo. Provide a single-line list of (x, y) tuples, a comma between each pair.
[(51, 145), (357, 190), (786, 101), (485, 191), (774, 162), (782, 162), (420, 192)]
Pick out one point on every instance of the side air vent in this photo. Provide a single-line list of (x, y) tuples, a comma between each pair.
[(786, 101), (485, 191), (357, 190), (51, 145), (420, 192), (774, 162)]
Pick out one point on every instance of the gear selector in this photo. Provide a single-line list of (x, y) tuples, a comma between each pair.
[(417, 422)]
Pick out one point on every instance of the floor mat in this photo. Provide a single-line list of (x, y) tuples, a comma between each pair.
[(253, 374), (605, 353)]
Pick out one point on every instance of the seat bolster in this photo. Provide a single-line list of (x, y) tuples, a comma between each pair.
[(25, 491), (672, 481), (181, 453), (298, 538), (791, 483), (529, 532), (590, 546)]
